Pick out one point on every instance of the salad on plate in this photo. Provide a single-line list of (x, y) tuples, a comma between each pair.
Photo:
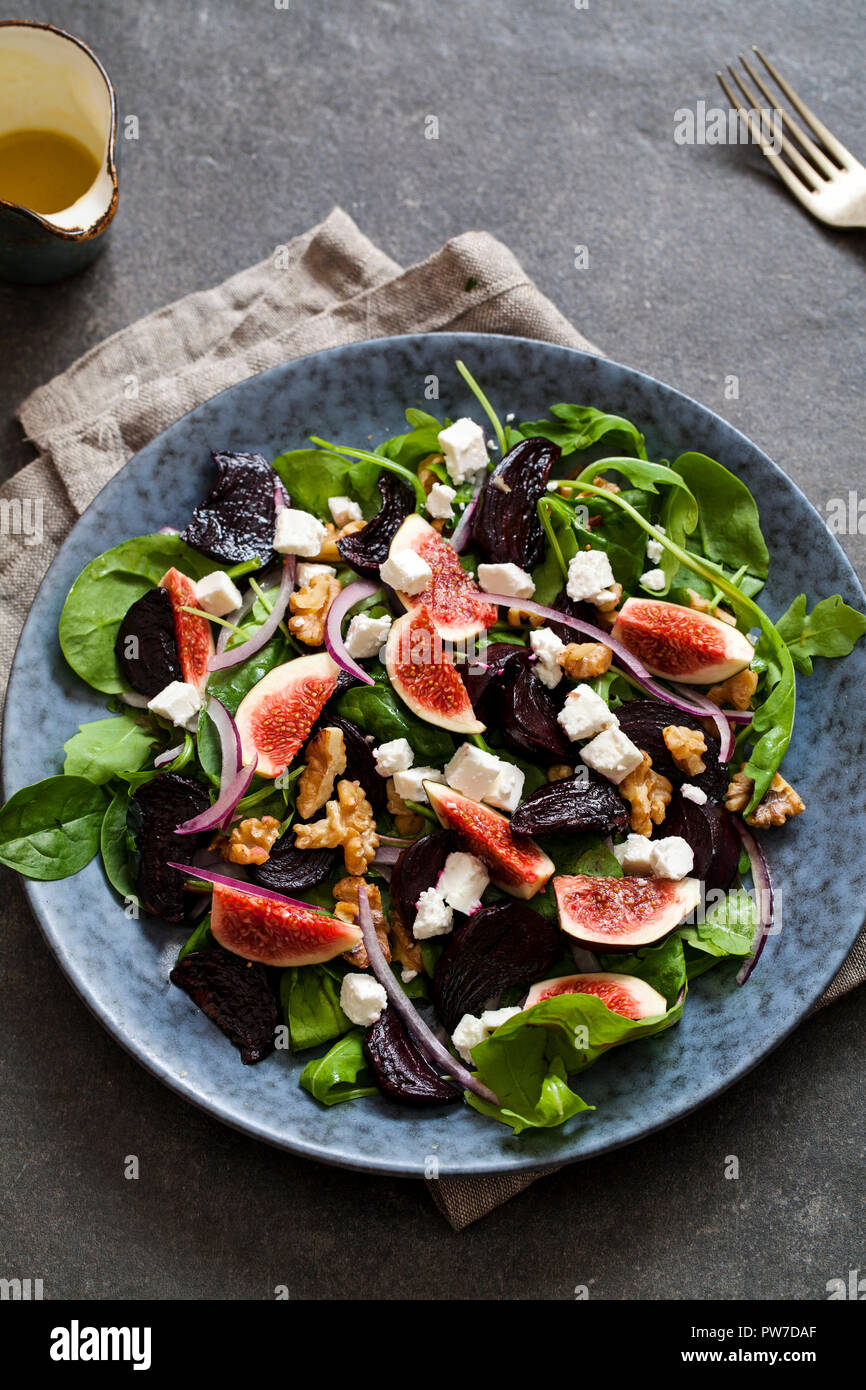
[(451, 756)]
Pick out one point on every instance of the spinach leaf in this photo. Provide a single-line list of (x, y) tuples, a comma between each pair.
[(202, 939), (311, 476), (51, 829), (107, 747), (831, 629), (310, 1001), (728, 927), (422, 440), (728, 521), (341, 1074), (376, 710), (113, 846), (576, 427), (536, 1094), (106, 589), (640, 473)]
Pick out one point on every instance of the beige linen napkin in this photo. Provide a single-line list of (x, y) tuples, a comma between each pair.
[(329, 286)]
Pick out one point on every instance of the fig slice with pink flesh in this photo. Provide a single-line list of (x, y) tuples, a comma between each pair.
[(516, 864), (193, 635), (277, 933), (619, 914), (452, 598), (623, 994), (680, 643), (422, 673), (276, 716)]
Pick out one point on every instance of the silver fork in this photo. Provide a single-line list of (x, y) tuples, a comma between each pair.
[(829, 181)]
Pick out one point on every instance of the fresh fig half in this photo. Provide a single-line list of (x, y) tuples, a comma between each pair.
[(423, 674), (274, 932), (401, 1071), (500, 946), (644, 721), (235, 995), (575, 804), (417, 868), (360, 763), (711, 832), (192, 634), (619, 914), (236, 523), (505, 527), (452, 598), (516, 864), (290, 870), (275, 718), (367, 549), (155, 811), (623, 994), (145, 645), (680, 643)]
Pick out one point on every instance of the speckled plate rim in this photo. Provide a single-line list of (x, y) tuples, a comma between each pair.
[(573, 1144)]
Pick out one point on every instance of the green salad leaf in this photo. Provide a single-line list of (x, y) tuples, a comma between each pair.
[(311, 476), (51, 829), (107, 747), (342, 1073), (376, 710), (113, 846), (831, 629), (727, 514), (310, 1001), (576, 427), (728, 929), (202, 939)]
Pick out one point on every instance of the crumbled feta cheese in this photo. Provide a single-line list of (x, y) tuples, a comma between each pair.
[(396, 756), (298, 533), (362, 999), (654, 580), (433, 916), (655, 550), (671, 857), (585, 713), (305, 572), (462, 882), (179, 703), (492, 444), (344, 510), (633, 855), (547, 647), (509, 417), (439, 500), (409, 783), (506, 579), (471, 1031), (693, 793), (473, 771), (365, 635), (407, 976), (590, 577), (464, 450), (509, 788), (612, 754), (494, 1018), (407, 572), (217, 594)]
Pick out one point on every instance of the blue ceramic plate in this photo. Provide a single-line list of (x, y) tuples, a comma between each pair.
[(120, 967)]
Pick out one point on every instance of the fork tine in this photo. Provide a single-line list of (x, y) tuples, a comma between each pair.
[(788, 149), (836, 148), (816, 155), (786, 174)]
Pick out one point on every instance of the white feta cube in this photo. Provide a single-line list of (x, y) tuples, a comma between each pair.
[(506, 579), (612, 754), (654, 550), (671, 857), (590, 577), (439, 500), (462, 882), (473, 771), (469, 1032), (433, 916), (407, 572), (585, 713), (344, 510), (395, 756), (654, 580), (633, 855), (362, 999), (306, 572), (547, 647), (179, 703), (494, 1018), (366, 635), (464, 449), (217, 594), (509, 788), (409, 783), (693, 793), (298, 533)]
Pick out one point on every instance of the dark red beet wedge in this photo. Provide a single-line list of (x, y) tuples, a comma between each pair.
[(289, 870), (527, 717), (235, 995), (418, 867), (402, 1072), (154, 812), (573, 803), (367, 549), (146, 647), (236, 523), (505, 526), (711, 832), (500, 946)]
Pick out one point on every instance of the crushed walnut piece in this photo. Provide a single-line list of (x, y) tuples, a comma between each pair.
[(406, 821), (685, 747), (583, 660), (559, 771), (736, 690), (328, 553), (249, 842), (600, 481), (310, 608), (703, 605), (610, 603), (348, 822), (346, 899), (779, 804), (325, 758), (426, 477), (739, 792), (516, 617), (404, 947), (648, 794)]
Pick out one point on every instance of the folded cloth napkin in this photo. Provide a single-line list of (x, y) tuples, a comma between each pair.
[(329, 286)]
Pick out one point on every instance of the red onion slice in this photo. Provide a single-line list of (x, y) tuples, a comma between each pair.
[(217, 816), (435, 1051), (169, 755), (223, 660), (460, 534), (224, 881), (719, 718), (387, 854), (230, 741), (765, 900), (336, 647)]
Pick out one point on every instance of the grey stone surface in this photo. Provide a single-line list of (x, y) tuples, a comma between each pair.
[(556, 130)]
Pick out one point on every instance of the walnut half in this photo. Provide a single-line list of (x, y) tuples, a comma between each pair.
[(310, 606), (249, 842), (736, 690), (583, 660), (648, 794), (685, 747), (325, 759), (348, 822), (779, 804)]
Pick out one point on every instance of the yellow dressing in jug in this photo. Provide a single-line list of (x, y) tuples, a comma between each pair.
[(44, 170)]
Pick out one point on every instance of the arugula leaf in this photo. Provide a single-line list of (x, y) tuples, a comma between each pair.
[(50, 830), (311, 476), (310, 1001), (342, 1073), (107, 747), (576, 427), (831, 629), (113, 846), (640, 473), (728, 521), (376, 710)]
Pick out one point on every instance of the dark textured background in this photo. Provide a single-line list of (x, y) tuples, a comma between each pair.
[(555, 131)]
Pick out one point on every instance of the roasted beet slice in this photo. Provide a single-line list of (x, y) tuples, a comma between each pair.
[(527, 716), (360, 763), (154, 812), (417, 868), (289, 870), (574, 803), (483, 678), (236, 523), (401, 1071), (711, 832), (235, 995), (500, 946), (145, 647), (572, 609), (505, 526), (644, 720), (367, 549)]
